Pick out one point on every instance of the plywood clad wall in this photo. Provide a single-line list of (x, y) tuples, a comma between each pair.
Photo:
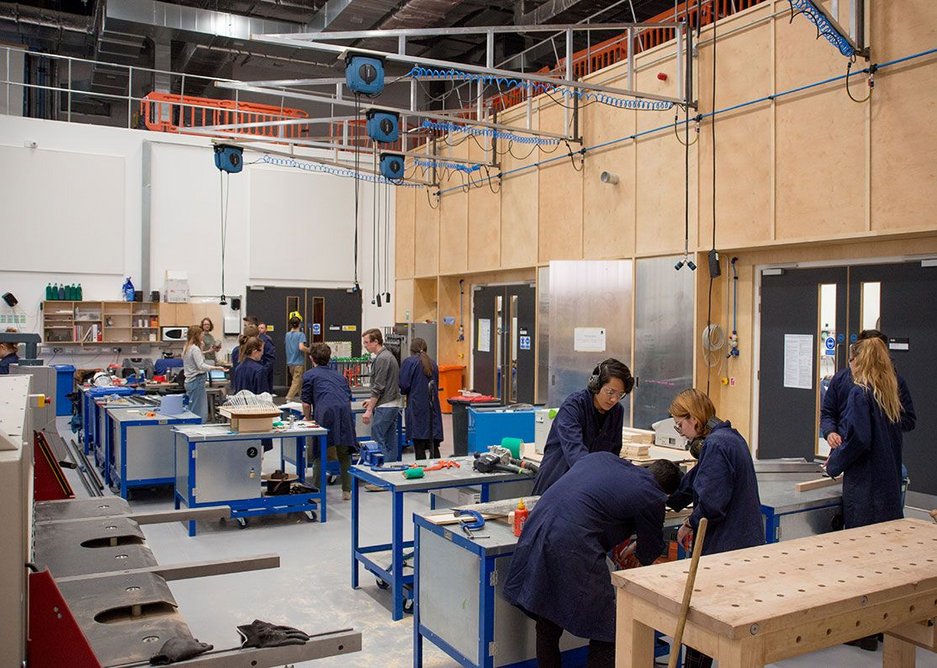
[(608, 211), (403, 236), (426, 236), (520, 207), (904, 150), (560, 229), (403, 299), (453, 213), (659, 187), (820, 166), (484, 212)]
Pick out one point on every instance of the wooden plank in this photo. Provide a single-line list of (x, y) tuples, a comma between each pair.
[(450, 518), (195, 569), (897, 653), (921, 634), (819, 483)]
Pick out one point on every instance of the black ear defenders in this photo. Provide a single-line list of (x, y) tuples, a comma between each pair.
[(696, 444), (595, 380)]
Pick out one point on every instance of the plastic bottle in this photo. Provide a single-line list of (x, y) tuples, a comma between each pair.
[(62, 292), (49, 292), (128, 290), (70, 292), (520, 517), (79, 296)]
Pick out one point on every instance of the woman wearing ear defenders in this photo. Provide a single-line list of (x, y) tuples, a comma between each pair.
[(722, 486), (590, 420)]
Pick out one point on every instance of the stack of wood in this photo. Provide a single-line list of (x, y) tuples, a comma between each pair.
[(636, 443)]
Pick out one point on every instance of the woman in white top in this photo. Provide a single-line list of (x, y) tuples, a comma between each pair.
[(195, 368)]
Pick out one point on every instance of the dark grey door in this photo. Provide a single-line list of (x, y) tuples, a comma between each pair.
[(907, 313), (329, 315), (485, 340), (520, 351), (788, 416)]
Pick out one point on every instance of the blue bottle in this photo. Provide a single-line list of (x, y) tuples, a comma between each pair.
[(128, 290), (62, 292)]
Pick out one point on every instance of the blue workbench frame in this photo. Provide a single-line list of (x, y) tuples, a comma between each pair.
[(263, 505), (89, 414), (393, 575), (120, 477)]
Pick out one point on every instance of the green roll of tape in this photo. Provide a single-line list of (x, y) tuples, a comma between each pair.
[(413, 472), (552, 413), (512, 444)]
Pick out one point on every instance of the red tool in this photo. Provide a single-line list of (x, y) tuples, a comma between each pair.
[(443, 464)]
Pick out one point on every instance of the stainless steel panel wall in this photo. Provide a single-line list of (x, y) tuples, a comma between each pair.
[(587, 293), (663, 348)]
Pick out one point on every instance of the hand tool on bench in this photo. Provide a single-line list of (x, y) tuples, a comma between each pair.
[(687, 593)]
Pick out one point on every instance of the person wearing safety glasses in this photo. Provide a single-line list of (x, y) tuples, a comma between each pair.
[(590, 420)]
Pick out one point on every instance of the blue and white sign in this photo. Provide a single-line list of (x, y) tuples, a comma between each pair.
[(829, 345), (525, 342), (316, 329)]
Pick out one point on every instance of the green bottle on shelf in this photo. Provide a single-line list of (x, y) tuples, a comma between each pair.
[(49, 292), (79, 295)]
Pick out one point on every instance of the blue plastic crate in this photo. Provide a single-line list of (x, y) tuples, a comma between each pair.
[(487, 426)]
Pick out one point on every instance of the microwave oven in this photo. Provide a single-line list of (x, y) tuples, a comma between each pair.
[(174, 333)]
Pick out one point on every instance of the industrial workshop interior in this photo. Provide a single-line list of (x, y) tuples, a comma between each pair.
[(439, 333)]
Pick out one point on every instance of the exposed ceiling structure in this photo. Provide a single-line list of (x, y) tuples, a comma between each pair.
[(211, 38)]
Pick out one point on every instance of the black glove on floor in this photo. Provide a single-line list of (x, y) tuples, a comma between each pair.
[(264, 634), (179, 649)]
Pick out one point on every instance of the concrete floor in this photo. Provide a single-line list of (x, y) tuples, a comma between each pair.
[(311, 590)]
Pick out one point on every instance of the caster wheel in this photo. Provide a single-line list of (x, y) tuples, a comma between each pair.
[(311, 515), (242, 522), (383, 585), (408, 606)]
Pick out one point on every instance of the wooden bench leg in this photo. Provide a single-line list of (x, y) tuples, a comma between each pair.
[(897, 653), (634, 642)]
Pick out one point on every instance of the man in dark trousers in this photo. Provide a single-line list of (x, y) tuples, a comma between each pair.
[(559, 575)]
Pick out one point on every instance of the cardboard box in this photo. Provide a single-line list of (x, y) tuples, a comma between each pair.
[(247, 422)]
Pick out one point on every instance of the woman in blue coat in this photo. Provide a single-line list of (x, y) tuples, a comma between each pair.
[(327, 398), (419, 383), (722, 487), (870, 454), (558, 574), (590, 420), (250, 374)]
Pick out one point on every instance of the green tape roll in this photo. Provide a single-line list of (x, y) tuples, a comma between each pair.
[(414, 472), (512, 444)]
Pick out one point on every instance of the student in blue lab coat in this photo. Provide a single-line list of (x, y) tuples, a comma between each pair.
[(419, 382), (870, 454), (559, 575), (722, 486), (327, 398), (590, 420), (8, 356), (833, 413), (269, 357), (250, 374)]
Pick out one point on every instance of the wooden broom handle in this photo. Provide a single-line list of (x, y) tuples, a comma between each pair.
[(687, 592)]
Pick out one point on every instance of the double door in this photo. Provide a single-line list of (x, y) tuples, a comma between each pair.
[(328, 316), (809, 317), (503, 349)]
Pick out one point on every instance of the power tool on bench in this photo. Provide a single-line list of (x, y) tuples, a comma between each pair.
[(499, 459)]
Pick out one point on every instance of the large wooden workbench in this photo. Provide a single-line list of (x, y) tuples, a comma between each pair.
[(763, 604)]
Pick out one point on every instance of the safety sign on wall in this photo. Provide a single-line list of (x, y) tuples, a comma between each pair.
[(525, 342), (316, 329)]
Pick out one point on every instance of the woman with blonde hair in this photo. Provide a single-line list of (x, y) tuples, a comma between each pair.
[(722, 486), (870, 455), (196, 372)]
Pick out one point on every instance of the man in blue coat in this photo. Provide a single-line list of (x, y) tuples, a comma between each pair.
[(590, 420), (559, 575), (327, 397)]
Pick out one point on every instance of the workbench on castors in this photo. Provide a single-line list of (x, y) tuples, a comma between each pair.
[(218, 466), (390, 574)]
